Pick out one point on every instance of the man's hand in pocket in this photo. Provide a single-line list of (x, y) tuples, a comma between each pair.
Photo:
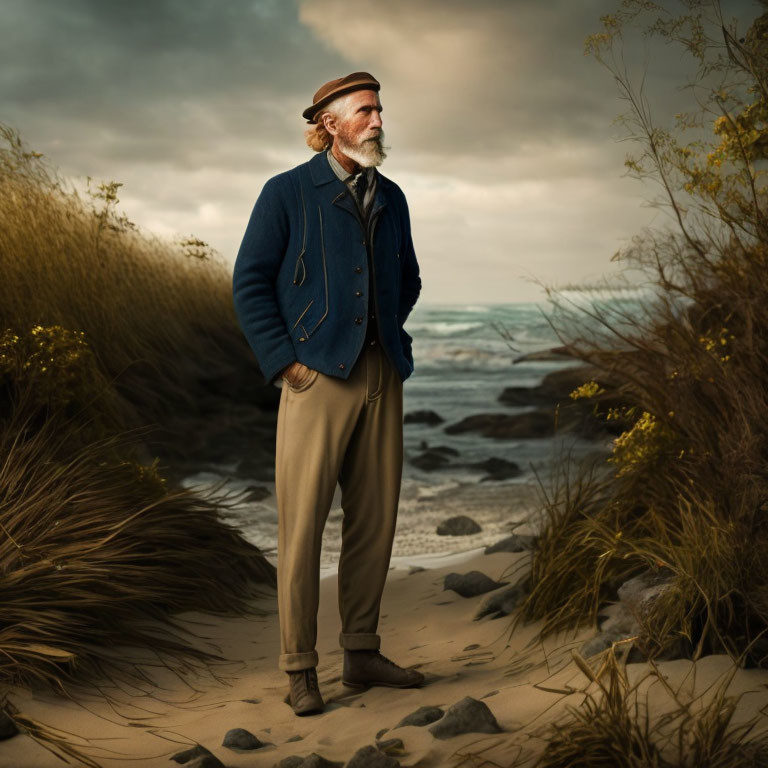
[(296, 373)]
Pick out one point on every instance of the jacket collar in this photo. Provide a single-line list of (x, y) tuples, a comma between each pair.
[(321, 170), (322, 173)]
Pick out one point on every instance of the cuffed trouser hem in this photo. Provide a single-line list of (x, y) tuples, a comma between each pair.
[(292, 662), (360, 641)]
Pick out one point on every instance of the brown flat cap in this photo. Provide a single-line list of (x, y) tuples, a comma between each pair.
[(357, 81)]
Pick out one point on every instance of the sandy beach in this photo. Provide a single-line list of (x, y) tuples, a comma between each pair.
[(524, 683)]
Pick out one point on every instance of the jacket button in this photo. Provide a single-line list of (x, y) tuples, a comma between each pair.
[(363, 242), (341, 365), (358, 270), (301, 338), (358, 293), (358, 320)]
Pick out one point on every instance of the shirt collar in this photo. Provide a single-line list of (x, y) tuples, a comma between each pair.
[(342, 172)]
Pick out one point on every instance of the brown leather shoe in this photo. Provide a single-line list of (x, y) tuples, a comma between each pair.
[(364, 668), (304, 692)]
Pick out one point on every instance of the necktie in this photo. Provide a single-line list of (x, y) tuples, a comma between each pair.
[(361, 184)]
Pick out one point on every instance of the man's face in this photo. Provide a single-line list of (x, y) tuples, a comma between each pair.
[(360, 135)]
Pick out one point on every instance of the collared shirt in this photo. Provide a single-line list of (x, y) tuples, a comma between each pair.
[(347, 177)]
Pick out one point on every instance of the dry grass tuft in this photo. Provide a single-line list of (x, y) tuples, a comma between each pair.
[(156, 315), (97, 553), (614, 727)]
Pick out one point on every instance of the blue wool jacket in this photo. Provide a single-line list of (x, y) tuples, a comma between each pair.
[(300, 281)]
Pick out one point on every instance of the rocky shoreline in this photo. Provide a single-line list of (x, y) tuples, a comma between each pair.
[(236, 420), (550, 411)]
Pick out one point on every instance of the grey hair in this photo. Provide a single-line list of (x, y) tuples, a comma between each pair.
[(316, 135)]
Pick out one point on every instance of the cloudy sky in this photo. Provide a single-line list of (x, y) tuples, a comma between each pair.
[(499, 127)]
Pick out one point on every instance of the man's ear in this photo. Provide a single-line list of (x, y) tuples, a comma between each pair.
[(329, 123)]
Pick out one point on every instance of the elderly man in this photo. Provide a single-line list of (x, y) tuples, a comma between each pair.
[(325, 278)]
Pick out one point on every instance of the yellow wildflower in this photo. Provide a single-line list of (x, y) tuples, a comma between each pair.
[(589, 389)]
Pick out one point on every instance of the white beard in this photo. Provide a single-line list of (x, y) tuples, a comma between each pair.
[(366, 153)]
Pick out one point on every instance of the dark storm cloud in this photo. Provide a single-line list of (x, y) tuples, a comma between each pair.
[(181, 82)]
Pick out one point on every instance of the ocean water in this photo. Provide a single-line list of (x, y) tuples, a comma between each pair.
[(463, 360)]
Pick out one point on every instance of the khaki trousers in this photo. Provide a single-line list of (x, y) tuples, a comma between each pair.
[(350, 431)]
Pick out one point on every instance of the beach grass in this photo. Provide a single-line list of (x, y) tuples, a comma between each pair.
[(106, 332), (98, 553), (615, 725), (156, 315), (684, 491)]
